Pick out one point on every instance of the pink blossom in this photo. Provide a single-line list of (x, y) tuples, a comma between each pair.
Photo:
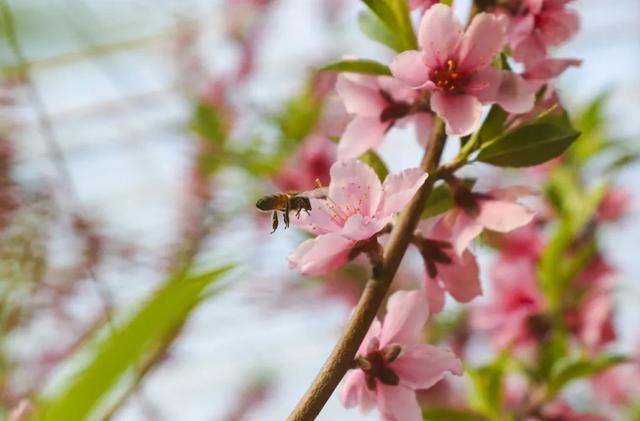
[(541, 72), (592, 320), (619, 385), (614, 205), (356, 208), (378, 104), (517, 301), (392, 364), (456, 67), (312, 162), (496, 210), (542, 24), (445, 270), (424, 4), (562, 411)]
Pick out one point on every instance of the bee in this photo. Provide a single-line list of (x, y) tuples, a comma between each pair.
[(287, 202)]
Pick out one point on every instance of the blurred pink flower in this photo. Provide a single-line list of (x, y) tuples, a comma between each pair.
[(445, 270), (561, 411), (356, 208), (392, 364), (456, 66), (541, 72), (378, 104), (515, 303), (543, 23), (416, 4), (619, 385), (614, 205), (496, 210), (592, 320), (311, 163)]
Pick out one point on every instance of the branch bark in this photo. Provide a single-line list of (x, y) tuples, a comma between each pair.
[(341, 358)]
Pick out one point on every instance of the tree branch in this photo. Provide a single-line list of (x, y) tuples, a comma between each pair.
[(344, 352)]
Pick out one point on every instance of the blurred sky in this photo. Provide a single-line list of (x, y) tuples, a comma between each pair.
[(120, 123)]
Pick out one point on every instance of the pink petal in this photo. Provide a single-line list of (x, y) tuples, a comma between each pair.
[(410, 68), (503, 216), (360, 94), (529, 50), (485, 85), (484, 38), (407, 312), (463, 231), (461, 112), (354, 188), (435, 294), (511, 193), (424, 124), (359, 228), (422, 366), (439, 35), (320, 220), (398, 90), (558, 26), (354, 392), (321, 255), (515, 94), (549, 68), (398, 189), (397, 403), (462, 277), (373, 332), (360, 135)]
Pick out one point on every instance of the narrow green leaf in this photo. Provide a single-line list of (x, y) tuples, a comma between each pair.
[(531, 143), (569, 371), (372, 159), (127, 344), (364, 66), (372, 27), (493, 125), (394, 14), (449, 414), (441, 199)]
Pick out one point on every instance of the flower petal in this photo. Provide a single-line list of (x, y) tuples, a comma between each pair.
[(439, 35), (407, 312), (409, 67), (485, 85), (354, 188), (461, 112), (435, 294), (320, 220), (360, 95), (359, 228), (424, 124), (421, 366), (484, 38), (461, 277), (503, 216), (397, 403), (398, 189), (463, 230), (529, 49), (558, 26), (354, 392), (321, 255), (515, 94), (360, 135)]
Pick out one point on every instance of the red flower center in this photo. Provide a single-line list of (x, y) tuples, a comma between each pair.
[(375, 364), (449, 78)]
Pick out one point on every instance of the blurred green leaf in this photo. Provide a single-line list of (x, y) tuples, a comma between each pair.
[(487, 385), (530, 143), (209, 123), (364, 66), (441, 199), (394, 14), (553, 349), (450, 414), (128, 344), (567, 371), (372, 159), (374, 29)]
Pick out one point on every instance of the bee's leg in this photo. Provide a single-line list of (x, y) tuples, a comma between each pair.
[(307, 211), (274, 222), (298, 213), (286, 215)]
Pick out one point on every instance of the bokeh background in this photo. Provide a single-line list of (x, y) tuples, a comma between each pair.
[(100, 146)]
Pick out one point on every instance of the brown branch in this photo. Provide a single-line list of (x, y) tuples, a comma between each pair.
[(344, 352)]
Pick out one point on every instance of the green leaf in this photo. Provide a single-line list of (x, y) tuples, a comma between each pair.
[(568, 371), (449, 414), (530, 143), (441, 199), (150, 327), (372, 159), (487, 385), (394, 14), (374, 29), (493, 125), (364, 66)]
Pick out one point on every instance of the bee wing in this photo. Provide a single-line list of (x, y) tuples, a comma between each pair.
[(319, 193)]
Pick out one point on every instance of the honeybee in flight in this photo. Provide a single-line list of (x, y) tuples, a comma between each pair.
[(287, 202)]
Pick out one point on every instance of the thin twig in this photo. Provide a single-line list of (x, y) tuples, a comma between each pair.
[(344, 352)]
